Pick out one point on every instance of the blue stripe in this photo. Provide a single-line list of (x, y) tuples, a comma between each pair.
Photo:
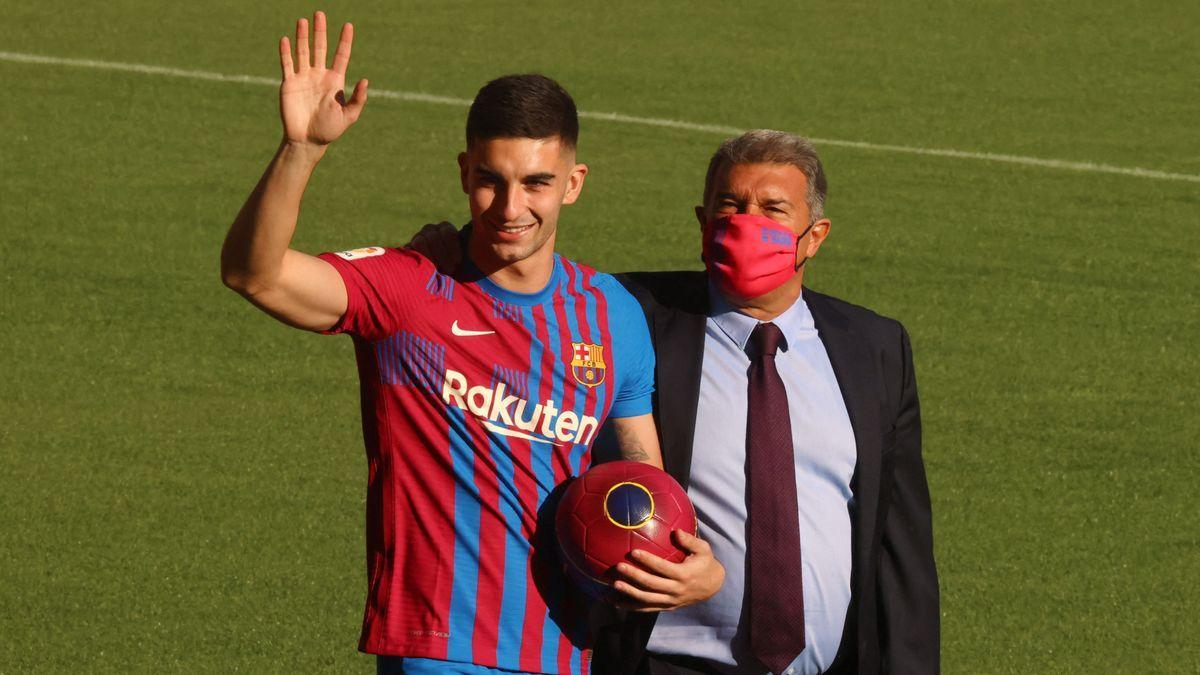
[(550, 630), (406, 359), (516, 550), (466, 541), (539, 458)]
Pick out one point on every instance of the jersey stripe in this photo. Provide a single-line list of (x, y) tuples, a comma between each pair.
[(580, 311), (539, 389), (564, 311), (593, 296), (466, 544), (517, 498), (552, 591), (491, 547)]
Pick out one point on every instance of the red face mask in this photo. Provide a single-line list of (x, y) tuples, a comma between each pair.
[(749, 255)]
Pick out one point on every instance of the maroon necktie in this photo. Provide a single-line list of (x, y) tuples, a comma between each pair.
[(774, 584)]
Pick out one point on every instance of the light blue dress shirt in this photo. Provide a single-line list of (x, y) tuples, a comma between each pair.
[(825, 457)]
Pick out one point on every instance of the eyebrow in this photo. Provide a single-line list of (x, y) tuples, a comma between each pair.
[(778, 201), (543, 176), (482, 169)]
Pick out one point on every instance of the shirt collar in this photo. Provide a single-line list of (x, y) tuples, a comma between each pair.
[(738, 327), (557, 275)]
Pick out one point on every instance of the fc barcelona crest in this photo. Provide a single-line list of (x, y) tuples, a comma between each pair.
[(587, 363)]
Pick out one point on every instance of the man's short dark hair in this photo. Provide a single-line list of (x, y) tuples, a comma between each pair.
[(523, 106)]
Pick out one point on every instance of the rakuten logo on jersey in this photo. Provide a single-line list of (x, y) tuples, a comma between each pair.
[(509, 415)]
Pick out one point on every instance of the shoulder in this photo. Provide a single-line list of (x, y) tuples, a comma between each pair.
[(378, 259), (685, 290), (603, 286), (827, 309)]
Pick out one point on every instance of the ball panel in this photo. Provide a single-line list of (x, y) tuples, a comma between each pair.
[(629, 504), (593, 544)]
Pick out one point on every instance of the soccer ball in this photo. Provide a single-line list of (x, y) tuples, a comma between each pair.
[(613, 509)]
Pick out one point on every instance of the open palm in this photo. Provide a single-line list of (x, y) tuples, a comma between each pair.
[(312, 98)]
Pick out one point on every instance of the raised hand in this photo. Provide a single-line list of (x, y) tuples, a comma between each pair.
[(312, 98)]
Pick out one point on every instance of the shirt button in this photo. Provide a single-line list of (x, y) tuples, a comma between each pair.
[(789, 671)]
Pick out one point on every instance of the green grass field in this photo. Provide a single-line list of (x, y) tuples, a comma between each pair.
[(182, 479)]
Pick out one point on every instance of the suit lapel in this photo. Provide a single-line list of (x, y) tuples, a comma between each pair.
[(854, 366), (679, 344)]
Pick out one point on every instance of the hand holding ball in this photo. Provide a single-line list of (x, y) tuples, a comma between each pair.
[(613, 509)]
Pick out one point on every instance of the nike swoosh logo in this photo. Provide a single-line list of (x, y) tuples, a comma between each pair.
[(463, 332)]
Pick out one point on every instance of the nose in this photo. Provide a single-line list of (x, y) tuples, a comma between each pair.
[(514, 203)]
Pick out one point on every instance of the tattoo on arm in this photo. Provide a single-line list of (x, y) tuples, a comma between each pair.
[(631, 449), (635, 453)]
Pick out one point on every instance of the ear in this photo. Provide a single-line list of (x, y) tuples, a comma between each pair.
[(463, 169), (575, 183), (701, 217), (816, 237)]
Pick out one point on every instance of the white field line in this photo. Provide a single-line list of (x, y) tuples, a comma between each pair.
[(420, 97)]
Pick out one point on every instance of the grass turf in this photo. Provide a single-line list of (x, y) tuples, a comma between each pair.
[(182, 478)]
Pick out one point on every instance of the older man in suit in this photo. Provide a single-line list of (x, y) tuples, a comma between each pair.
[(791, 417)]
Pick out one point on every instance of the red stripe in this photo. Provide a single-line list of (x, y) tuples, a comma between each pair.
[(490, 578), (598, 336), (564, 647), (524, 479), (562, 453), (423, 483), (602, 320), (525, 483)]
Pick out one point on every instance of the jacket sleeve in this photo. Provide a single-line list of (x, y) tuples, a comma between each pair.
[(909, 630)]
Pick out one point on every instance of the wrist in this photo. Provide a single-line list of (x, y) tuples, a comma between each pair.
[(302, 151)]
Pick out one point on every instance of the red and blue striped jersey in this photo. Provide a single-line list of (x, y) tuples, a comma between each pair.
[(476, 403)]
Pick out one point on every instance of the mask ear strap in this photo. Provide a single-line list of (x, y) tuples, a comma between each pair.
[(810, 226)]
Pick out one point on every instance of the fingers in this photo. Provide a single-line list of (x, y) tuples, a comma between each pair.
[(359, 99), (341, 58), (319, 40), (285, 58), (691, 543), (439, 243), (647, 601), (659, 566), (647, 581), (302, 56)]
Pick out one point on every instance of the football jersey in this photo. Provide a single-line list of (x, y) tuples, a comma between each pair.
[(476, 403)]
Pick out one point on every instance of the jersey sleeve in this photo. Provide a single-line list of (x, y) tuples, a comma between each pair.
[(380, 284), (635, 374)]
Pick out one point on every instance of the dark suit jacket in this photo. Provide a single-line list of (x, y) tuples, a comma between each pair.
[(892, 624)]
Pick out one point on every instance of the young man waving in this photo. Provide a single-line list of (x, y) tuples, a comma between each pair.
[(482, 390)]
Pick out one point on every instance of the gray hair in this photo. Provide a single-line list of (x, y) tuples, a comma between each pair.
[(766, 146)]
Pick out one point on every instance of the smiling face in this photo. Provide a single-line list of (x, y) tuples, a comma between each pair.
[(516, 187)]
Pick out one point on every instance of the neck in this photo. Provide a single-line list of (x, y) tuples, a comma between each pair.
[(767, 307), (528, 275)]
